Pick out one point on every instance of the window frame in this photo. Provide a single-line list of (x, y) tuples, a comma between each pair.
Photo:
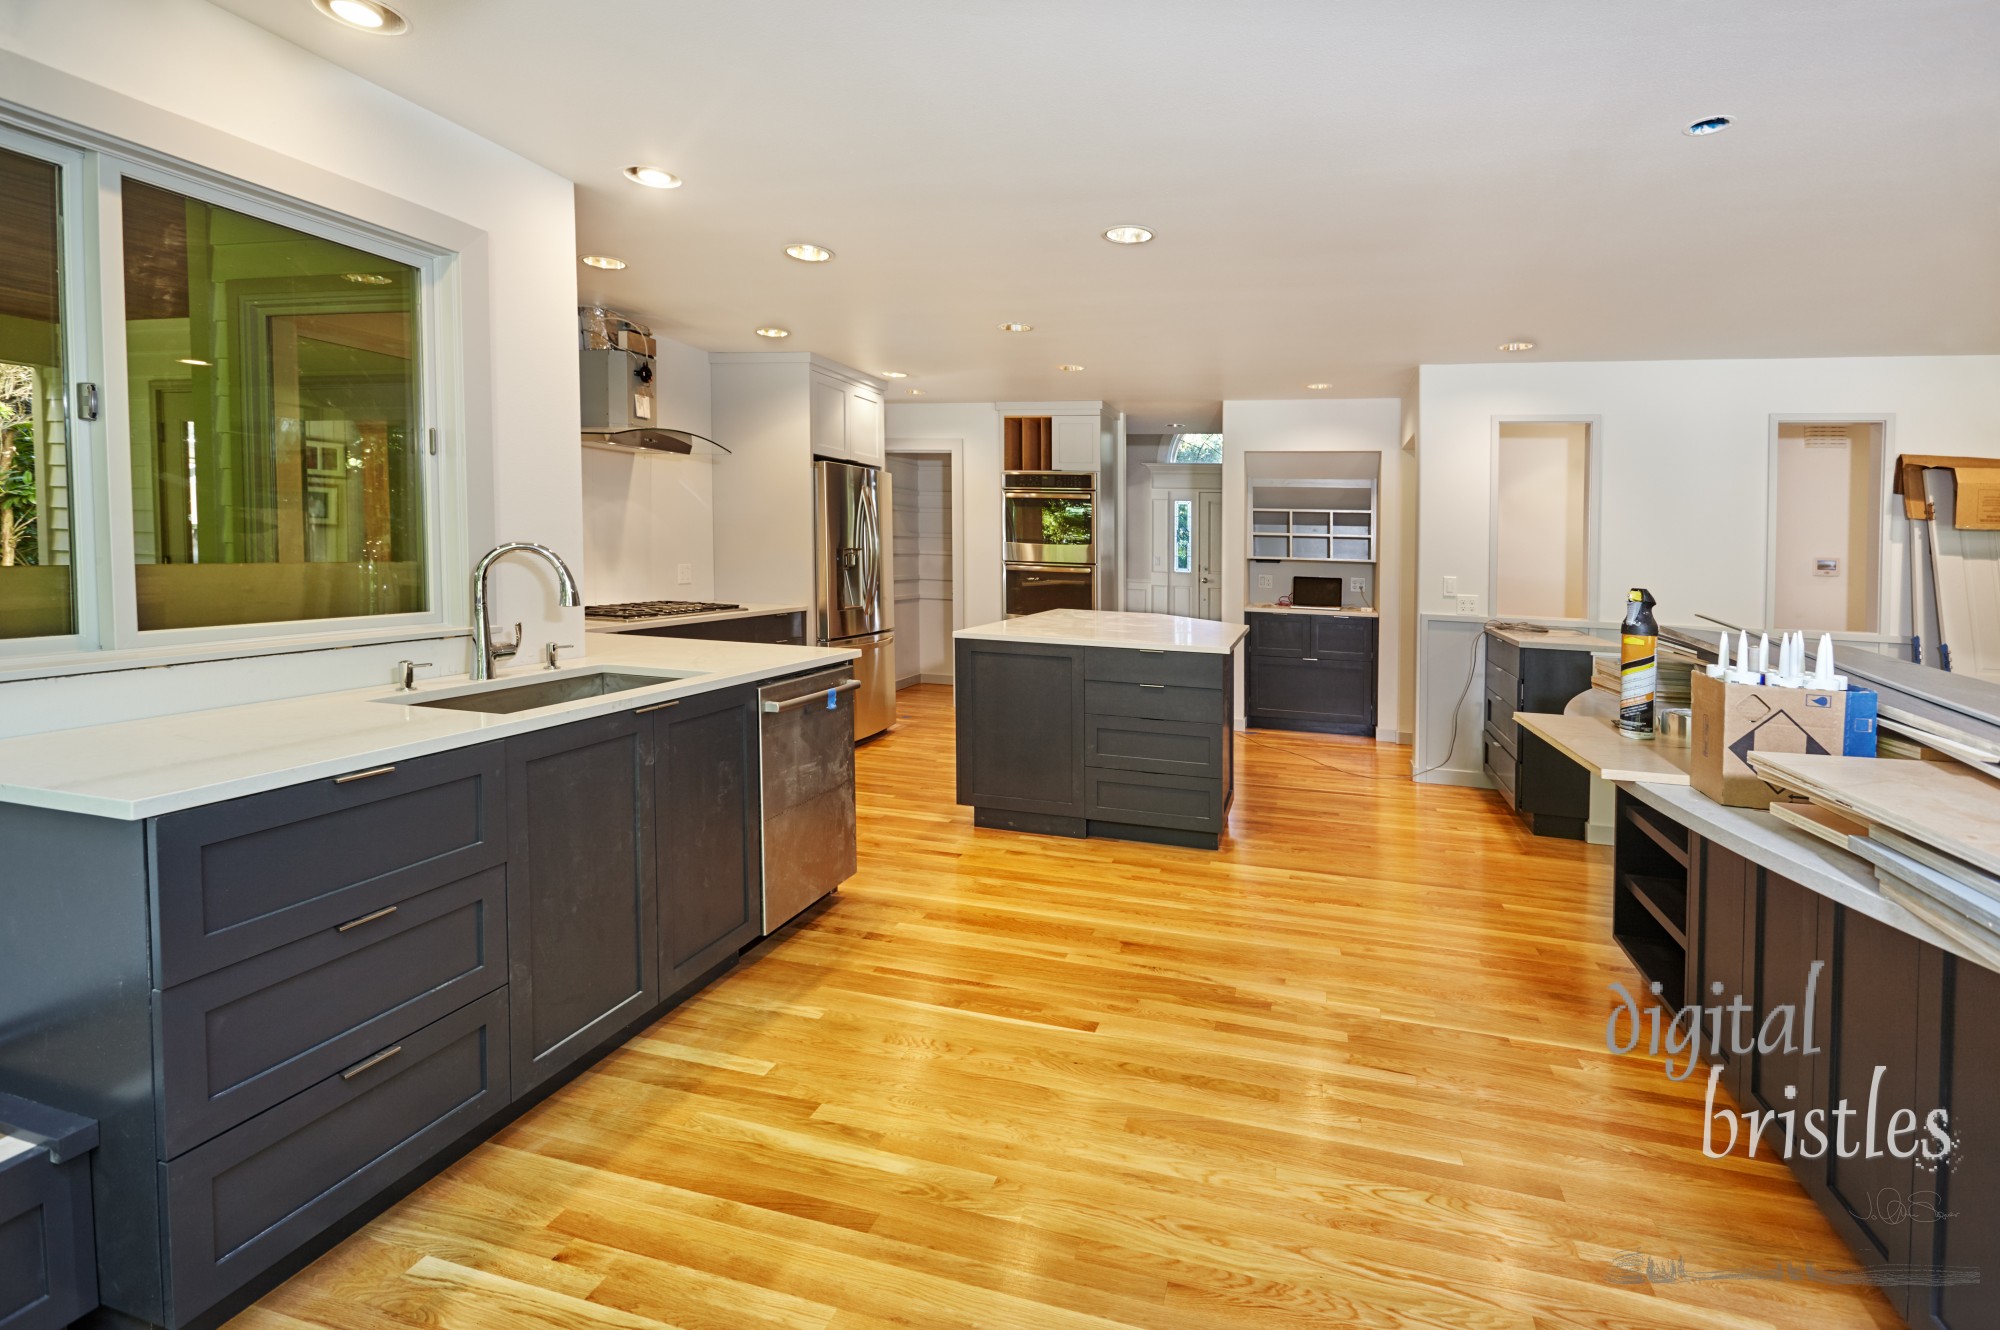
[(107, 598)]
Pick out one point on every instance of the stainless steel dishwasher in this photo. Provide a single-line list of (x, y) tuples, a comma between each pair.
[(808, 751)]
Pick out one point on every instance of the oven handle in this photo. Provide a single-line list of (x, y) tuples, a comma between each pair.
[(1086, 568), (1046, 494)]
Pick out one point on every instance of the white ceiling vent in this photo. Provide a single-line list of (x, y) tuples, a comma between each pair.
[(1827, 436)]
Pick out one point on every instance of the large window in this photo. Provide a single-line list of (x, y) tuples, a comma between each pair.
[(264, 390), (272, 394), (1196, 448), (37, 577)]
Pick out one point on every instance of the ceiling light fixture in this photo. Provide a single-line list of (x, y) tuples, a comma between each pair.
[(1517, 346), (1318, 387), (1128, 235), (604, 261), (364, 16), (894, 374), (368, 278), (774, 333), (1714, 124), (652, 177), (916, 392), (1017, 327), (809, 253), (1070, 369)]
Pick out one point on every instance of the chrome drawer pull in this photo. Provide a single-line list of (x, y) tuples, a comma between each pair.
[(362, 775), (366, 1063), (1312, 659), (657, 706), (382, 913), (1152, 651), (1152, 685)]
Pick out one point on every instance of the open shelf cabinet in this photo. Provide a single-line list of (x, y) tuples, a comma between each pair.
[(1649, 896), (1313, 521)]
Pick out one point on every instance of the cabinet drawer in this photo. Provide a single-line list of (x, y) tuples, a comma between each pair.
[(1503, 654), (1181, 669), (239, 1039), (1278, 634), (1500, 717), (248, 1198), (1501, 766), (1170, 747), (1154, 701), (1333, 636), (1148, 799), (235, 879)]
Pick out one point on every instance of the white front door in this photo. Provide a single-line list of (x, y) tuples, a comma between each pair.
[(1208, 554)]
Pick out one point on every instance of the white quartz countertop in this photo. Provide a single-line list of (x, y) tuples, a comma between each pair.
[(1113, 628), (1556, 639), (596, 625), (143, 768), (1349, 612)]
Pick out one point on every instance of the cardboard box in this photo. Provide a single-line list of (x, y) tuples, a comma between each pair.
[(1733, 720), (1978, 506)]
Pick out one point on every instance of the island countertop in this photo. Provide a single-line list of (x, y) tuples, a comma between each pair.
[(1113, 628)]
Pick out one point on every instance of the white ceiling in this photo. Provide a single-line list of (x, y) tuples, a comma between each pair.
[(1341, 191)]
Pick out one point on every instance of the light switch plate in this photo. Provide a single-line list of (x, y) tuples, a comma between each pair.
[(1263, 581), (1468, 604), (1451, 586), (685, 574)]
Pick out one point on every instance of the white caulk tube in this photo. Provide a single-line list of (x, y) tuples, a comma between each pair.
[(1720, 670)]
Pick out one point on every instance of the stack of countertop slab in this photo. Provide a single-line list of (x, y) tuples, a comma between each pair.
[(1930, 828)]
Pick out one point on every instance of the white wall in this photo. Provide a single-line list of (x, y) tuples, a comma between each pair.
[(1827, 508), (645, 515), (192, 81), (1542, 502), (1372, 425), (977, 425), (1685, 447)]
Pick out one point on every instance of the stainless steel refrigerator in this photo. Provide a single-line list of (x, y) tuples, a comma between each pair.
[(850, 565)]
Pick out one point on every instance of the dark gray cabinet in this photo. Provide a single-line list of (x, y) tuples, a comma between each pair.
[(1096, 741), (786, 629), (1311, 672), (582, 897), (1959, 1018), (706, 783), (1547, 790)]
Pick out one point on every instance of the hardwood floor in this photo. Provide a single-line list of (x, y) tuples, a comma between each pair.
[(1350, 1070)]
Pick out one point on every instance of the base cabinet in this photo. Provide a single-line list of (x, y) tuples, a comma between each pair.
[(1548, 791), (1020, 727), (1311, 672), (582, 896), (1962, 1005), (706, 783)]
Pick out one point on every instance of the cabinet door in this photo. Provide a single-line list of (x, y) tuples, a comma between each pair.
[(829, 417), (1784, 942), (1279, 634), (1719, 924), (705, 793), (864, 426), (582, 926), (1868, 1003), (1341, 636), (1962, 1023), (1020, 727), (1330, 692), (1075, 444)]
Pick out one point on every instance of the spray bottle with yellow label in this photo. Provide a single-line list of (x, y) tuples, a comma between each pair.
[(1638, 665)]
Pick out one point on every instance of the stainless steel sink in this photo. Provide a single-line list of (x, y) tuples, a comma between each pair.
[(505, 699)]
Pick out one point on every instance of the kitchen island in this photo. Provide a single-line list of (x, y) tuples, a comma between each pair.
[(1094, 723)]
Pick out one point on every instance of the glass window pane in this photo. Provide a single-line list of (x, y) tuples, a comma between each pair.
[(1183, 535), (276, 464), (37, 586)]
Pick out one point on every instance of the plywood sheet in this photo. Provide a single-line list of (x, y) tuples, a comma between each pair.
[(1832, 827), (1945, 805), (1596, 744)]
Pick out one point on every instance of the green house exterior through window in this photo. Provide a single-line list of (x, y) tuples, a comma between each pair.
[(37, 577), (275, 404), (1183, 535), (1196, 448)]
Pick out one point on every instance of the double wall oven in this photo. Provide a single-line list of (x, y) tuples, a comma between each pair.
[(1049, 523)]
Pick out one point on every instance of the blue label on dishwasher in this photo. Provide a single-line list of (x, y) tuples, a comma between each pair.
[(833, 699)]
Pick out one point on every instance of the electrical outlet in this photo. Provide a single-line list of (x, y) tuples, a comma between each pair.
[(1468, 604), (686, 574), (1263, 581), (1358, 585), (1451, 586)]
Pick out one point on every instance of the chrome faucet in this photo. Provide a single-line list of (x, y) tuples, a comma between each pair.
[(486, 650)]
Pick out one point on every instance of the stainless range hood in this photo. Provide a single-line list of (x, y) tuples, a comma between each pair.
[(618, 373)]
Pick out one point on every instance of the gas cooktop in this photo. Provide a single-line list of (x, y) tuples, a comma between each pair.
[(654, 609)]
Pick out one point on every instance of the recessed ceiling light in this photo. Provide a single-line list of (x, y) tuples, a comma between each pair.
[(368, 278), (1070, 369), (1517, 346), (652, 177), (1714, 124), (199, 364), (916, 392), (364, 16), (809, 253), (1318, 387), (1017, 327), (604, 261), (1128, 235), (894, 374), (774, 332)]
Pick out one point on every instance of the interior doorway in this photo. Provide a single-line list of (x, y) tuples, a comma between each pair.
[(1173, 542), (1826, 525), (1541, 519), (925, 517)]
